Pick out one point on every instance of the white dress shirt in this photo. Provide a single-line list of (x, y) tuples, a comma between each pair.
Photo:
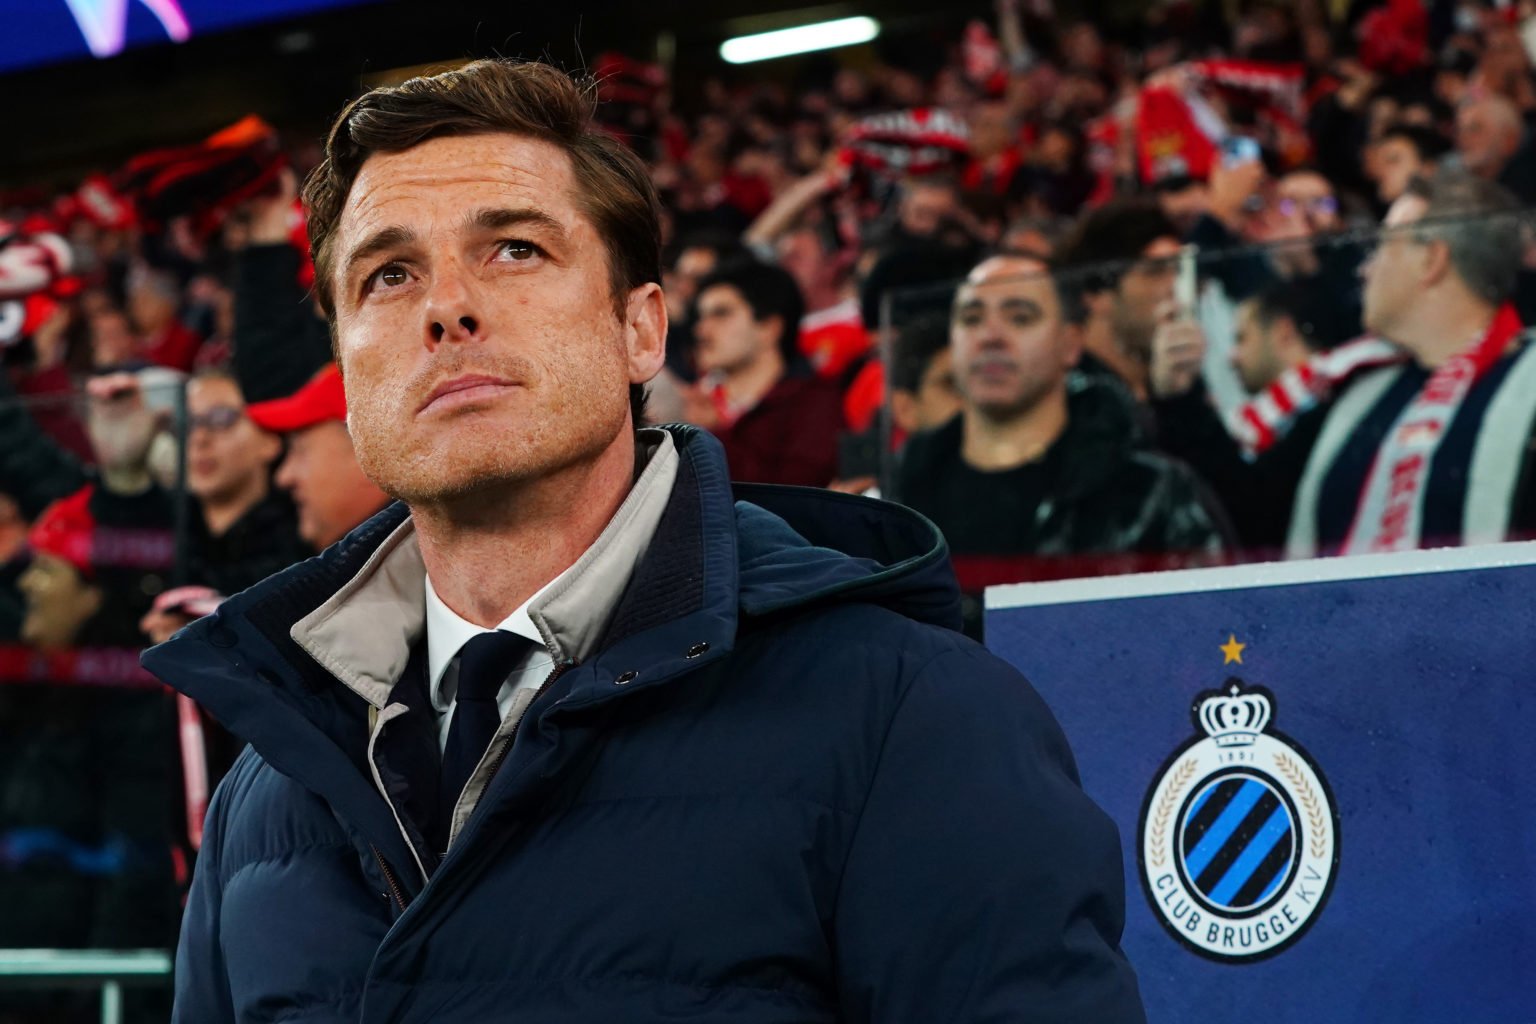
[(447, 633)]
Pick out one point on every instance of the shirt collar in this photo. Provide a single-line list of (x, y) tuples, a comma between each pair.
[(448, 632)]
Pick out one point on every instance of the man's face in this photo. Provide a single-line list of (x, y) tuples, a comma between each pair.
[(682, 281), (227, 454), (1253, 355), (1483, 140), (475, 321), (121, 428), (59, 601), (322, 475), (938, 397), (991, 129), (1308, 198), (1395, 163), (1145, 287), (151, 307), (1392, 274), (925, 209), (729, 338), (804, 258), (1006, 337), (112, 340)]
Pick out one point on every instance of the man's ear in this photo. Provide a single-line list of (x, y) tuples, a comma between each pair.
[(904, 411), (645, 332), (1437, 262)]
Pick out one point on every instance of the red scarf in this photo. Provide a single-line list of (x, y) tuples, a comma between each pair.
[(1390, 513)]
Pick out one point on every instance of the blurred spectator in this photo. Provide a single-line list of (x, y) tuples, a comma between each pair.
[(1034, 479), (154, 302), (245, 530), (112, 340), (1491, 144), (1280, 329), (1403, 153), (924, 395), (320, 470), (1441, 293), (85, 797), (779, 423), (1121, 261), (695, 259)]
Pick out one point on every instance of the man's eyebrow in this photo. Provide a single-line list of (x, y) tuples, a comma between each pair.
[(501, 218), (387, 238), (1028, 305)]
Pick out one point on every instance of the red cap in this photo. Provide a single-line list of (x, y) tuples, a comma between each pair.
[(317, 401), (65, 531)]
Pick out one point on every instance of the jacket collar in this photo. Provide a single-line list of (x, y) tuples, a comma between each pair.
[(364, 633)]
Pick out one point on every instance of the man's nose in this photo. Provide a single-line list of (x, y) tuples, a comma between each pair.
[(451, 313), (284, 477)]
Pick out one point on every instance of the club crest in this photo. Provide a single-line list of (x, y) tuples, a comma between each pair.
[(1239, 836)]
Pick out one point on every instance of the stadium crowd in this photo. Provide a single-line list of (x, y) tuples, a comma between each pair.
[(967, 286)]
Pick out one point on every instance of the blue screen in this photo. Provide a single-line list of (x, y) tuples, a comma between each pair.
[(45, 31)]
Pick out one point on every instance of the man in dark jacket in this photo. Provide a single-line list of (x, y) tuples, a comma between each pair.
[(1038, 479), (575, 732)]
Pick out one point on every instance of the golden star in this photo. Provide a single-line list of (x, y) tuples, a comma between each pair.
[(1233, 650)]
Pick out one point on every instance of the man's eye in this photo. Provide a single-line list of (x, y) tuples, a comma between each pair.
[(519, 250), (391, 275)]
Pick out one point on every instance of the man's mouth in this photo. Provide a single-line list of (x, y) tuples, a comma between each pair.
[(463, 389)]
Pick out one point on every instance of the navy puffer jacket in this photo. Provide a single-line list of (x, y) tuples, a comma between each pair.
[(813, 801)]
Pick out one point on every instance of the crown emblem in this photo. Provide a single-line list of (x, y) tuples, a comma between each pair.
[(1235, 720)]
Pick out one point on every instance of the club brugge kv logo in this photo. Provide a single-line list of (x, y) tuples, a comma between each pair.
[(1239, 837)]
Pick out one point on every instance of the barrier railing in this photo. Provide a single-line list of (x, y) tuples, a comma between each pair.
[(110, 971)]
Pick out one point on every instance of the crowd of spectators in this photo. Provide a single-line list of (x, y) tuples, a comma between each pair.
[(966, 285)]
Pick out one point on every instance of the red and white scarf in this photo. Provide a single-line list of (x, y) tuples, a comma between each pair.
[(1265, 418), (1390, 514)]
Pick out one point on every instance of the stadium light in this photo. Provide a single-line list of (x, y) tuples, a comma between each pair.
[(823, 35)]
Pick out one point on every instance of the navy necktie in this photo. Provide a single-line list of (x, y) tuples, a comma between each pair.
[(484, 665)]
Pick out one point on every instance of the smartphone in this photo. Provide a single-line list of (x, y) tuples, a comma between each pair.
[(1239, 149), (1186, 285)]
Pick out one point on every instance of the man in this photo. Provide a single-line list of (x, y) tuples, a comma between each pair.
[(244, 529), (1490, 142), (154, 305), (571, 734), (1278, 330), (1430, 450), (923, 391), (88, 766), (1122, 259), (1034, 480), (778, 422), (1403, 152), (320, 471)]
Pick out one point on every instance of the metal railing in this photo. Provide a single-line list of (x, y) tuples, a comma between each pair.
[(107, 970)]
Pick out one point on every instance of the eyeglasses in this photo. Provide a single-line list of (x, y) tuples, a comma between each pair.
[(1319, 206), (217, 419)]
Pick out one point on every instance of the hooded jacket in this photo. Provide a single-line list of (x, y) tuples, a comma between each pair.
[(780, 788)]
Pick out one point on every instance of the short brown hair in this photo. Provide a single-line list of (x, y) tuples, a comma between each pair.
[(528, 98)]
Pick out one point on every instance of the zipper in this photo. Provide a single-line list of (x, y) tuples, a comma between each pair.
[(389, 877)]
